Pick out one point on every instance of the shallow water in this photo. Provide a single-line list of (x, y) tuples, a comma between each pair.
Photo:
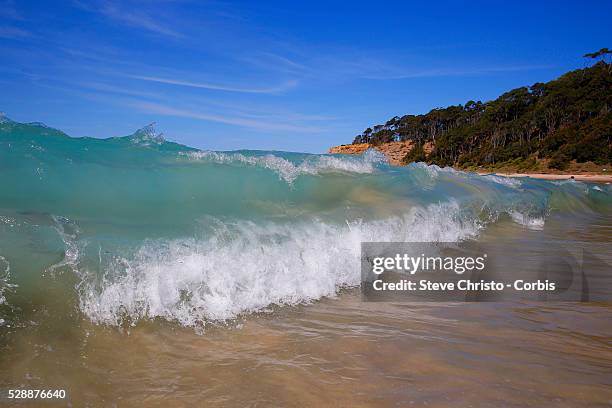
[(136, 272), (336, 352)]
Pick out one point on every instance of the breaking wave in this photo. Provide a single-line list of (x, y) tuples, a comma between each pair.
[(289, 171), (246, 267), (140, 228)]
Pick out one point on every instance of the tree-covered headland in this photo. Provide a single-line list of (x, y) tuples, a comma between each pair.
[(556, 123)]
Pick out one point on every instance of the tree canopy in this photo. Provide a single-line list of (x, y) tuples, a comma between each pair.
[(565, 119)]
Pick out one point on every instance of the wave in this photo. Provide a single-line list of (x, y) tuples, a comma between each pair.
[(289, 171), (246, 267), (5, 275), (154, 230), (535, 223), (68, 231), (6, 287)]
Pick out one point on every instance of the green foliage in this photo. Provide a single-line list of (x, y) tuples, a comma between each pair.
[(559, 161), (417, 154), (566, 119), (602, 53)]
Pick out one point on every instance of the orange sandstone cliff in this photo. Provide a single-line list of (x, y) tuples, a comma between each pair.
[(350, 148), (393, 151)]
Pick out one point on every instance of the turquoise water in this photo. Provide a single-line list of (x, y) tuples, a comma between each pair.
[(120, 230)]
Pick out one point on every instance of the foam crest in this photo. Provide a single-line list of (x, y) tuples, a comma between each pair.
[(506, 181), (287, 170), (147, 136), (529, 221), (4, 118), (246, 267), (434, 170)]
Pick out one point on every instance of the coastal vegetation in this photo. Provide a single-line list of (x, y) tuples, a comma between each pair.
[(543, 126)]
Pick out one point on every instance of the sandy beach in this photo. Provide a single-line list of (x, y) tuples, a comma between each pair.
[(589, 177)]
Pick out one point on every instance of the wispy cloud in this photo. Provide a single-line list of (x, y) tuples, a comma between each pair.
[(348, 64), (258, 117), (285, 86), (117, 90), (13, 32), (275, 62), (161, 109), (136, 16), (445, 72)]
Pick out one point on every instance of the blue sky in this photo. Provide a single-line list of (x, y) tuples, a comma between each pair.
[(295, 76)]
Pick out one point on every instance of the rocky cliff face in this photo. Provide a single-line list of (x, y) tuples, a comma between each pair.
[(350, 148), (394, 151)]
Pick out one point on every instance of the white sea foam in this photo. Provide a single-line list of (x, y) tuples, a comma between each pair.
[(506, 181), (246, 267), (4, 276), (434, 171), (289, 171), (68, 232), (5, 285), (147, 136), (531, 222)]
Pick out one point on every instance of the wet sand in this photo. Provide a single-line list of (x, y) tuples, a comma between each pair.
[(589, 177), (336, 352)]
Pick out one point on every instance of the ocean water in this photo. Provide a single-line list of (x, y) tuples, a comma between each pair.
[(157, 261)]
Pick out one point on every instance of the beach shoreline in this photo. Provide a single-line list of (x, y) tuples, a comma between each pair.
[(588, 177), (394, 152), (391, 150)]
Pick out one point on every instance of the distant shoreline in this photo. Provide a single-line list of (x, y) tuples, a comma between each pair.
[(396, 151), (589, 177)]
